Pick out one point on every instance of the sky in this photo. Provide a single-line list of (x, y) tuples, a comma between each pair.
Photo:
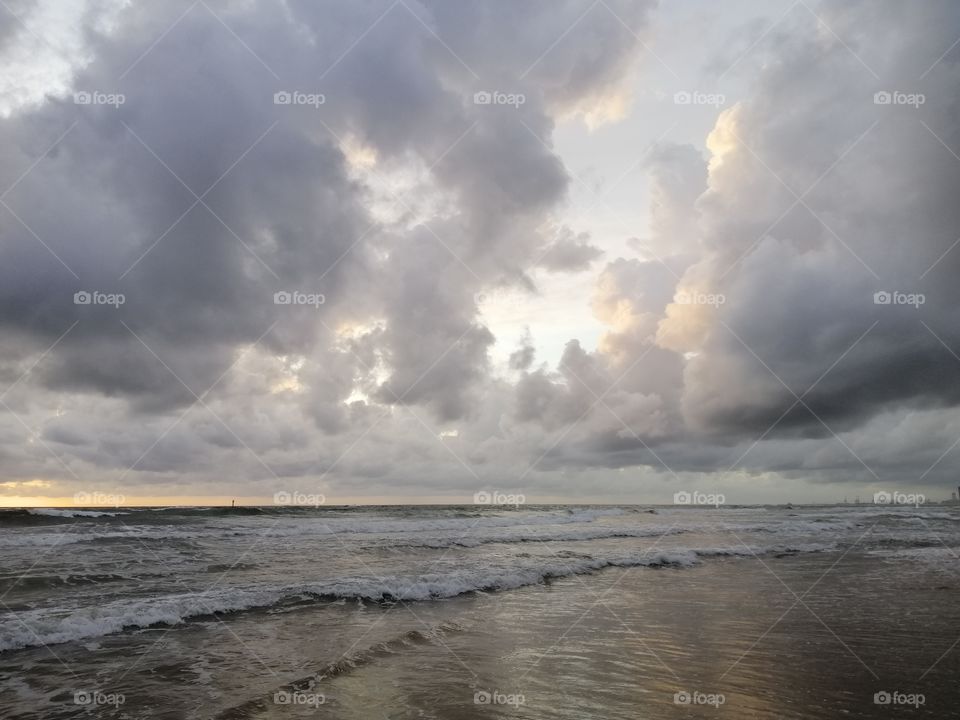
[(409, 251)]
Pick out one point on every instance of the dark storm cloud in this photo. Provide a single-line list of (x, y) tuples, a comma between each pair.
[(117, 202), (197, 198), (878, 209), (284, 210)]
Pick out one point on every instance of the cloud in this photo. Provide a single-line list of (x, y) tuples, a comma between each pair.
[(754, 298), (522, 357), (185, 188), (300, 279), (570, 253), (819, 198)]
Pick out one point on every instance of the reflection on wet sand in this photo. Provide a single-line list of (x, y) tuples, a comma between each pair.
[(732, 639)]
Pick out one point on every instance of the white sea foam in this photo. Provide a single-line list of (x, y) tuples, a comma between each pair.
[(942, 558), (69, 513), (517, 519), (68, 536), (50, 626), (543, 535)]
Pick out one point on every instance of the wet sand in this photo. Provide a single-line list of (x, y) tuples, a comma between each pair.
[(636, 643)]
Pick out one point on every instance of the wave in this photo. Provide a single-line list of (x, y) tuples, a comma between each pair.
[(129, 534), (429, 534), (49, 626), (573, 535), (361, 526), (55, 512), (226, 511), (945, 558), (413, 518), (896, 512), (148, 528), (49, 516), (442, 533), (47, 582)]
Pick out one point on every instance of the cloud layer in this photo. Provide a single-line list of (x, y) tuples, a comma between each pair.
[(303, 210)]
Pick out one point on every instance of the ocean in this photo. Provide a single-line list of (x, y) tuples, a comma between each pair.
[(480, 612)]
